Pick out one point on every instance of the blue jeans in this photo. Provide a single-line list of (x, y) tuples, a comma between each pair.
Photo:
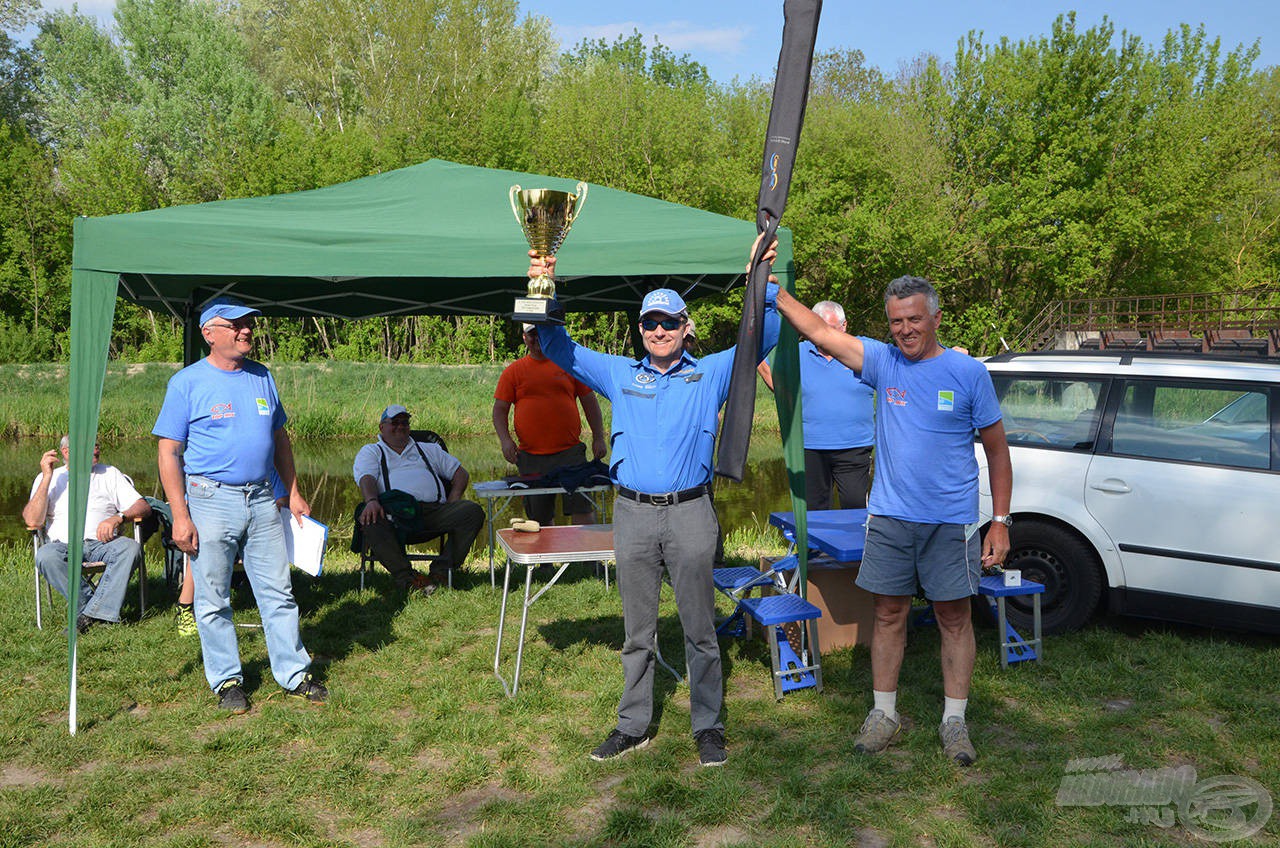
[(120, 556), (230, 520)]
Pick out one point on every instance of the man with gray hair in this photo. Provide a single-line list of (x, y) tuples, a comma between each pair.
[(924, 502), (220, 433), (838, 412), (112, 501)]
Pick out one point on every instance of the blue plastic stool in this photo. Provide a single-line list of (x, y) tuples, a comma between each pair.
[(737, 583), (1013, 648), (790, 671)]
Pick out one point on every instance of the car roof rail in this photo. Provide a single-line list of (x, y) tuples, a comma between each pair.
[(1127, 356)]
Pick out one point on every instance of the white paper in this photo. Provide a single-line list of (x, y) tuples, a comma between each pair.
[(304, 544)]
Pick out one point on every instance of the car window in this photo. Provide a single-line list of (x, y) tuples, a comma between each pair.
[(1194, 423), (1056, 412)]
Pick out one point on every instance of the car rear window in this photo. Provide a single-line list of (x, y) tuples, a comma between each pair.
[(1194, 423)]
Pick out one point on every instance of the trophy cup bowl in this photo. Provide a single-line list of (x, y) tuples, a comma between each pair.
[(545, 215)]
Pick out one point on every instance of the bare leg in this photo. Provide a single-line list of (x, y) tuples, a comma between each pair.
[(955, 625), (889, 640)]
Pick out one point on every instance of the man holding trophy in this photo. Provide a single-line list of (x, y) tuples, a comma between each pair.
[(665, 414)]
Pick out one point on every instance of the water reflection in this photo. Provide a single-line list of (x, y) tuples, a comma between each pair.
[(324, 469)]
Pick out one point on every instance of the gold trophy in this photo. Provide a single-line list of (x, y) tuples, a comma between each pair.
[(545, 215)]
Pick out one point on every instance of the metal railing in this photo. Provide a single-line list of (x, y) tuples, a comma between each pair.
[(1199, 313)]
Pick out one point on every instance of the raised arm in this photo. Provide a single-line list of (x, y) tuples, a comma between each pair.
[(37, 509), (766, 373), (829, 340)]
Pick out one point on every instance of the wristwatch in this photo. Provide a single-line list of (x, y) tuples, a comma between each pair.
[(1006, 520)]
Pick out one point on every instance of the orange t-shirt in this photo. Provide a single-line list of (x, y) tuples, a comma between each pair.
[(545, 399)]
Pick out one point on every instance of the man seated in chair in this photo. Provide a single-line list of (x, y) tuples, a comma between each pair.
[(112, 501), (435, 479)]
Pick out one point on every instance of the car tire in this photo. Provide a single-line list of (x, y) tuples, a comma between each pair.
[(1068, 568)]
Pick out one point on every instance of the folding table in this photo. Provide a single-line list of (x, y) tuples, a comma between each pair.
[(498, 494), (563, 545)]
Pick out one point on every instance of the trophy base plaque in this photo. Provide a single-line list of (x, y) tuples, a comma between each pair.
[(537, 310)]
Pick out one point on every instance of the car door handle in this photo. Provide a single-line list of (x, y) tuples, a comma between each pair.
[(1111, 485)]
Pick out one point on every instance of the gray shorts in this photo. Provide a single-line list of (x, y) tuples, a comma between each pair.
[(900, 553)]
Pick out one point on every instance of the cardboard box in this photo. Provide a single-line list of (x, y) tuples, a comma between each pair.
[(848, 612)]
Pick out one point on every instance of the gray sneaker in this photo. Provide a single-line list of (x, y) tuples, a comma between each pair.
[(878, 732), (955, 741)]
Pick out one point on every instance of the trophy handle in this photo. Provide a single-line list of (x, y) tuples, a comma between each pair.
[(582, 198), (511, 195)]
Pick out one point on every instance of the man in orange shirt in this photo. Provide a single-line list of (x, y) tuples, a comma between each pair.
[(547, 425)]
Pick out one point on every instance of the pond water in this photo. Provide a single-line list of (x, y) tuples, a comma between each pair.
[(324, 469)]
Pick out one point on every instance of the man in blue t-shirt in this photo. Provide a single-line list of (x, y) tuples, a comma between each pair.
[(839, 421), (665, 413), (924, 503), (221, 434)]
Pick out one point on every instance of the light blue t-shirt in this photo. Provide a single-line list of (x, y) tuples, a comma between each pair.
[(926, 415), (227, 419), (664, 425), (838, 408)]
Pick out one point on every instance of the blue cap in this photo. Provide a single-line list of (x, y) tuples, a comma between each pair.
[(662, 300), (225, 307)]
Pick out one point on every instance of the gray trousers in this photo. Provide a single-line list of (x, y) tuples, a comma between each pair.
[(683, 537)]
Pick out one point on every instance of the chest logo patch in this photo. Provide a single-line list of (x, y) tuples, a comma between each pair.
[(895, 397), (946, 401), (644, 378), (221, 410), (263, 409)]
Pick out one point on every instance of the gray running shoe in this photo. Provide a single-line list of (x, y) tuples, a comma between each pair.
[(955, 741), (878, 732)]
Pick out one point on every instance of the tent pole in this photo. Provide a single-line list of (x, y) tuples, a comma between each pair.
[(191, 337), (637, 343)]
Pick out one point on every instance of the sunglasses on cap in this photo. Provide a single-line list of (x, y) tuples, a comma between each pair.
[(666, 323)]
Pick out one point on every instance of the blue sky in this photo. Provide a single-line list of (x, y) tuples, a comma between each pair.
[(741, 37)]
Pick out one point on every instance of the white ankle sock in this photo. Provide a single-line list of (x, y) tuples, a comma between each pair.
[(887, 702), (953, 707)]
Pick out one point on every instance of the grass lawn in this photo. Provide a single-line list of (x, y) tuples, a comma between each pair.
[(419, 747)]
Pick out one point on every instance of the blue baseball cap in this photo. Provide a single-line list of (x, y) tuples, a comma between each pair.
[(665, 301), (225, 307)]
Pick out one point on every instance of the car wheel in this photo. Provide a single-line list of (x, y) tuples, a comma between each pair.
[(1068, 568)]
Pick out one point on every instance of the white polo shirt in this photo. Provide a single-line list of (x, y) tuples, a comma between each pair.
[(406, 470), (110, 492)]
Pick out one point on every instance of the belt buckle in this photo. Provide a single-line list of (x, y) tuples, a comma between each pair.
[(665, 499)]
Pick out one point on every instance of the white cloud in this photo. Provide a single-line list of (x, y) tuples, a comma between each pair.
[(679, 36)]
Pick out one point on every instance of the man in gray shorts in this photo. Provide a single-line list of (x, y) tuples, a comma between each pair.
[(924, 501)]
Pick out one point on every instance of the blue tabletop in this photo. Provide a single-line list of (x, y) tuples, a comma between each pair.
[(839, 533)]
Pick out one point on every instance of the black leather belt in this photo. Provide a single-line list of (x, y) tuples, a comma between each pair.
[(665, 498)]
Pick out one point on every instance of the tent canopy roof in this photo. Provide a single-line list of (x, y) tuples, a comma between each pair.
[(431, 238)]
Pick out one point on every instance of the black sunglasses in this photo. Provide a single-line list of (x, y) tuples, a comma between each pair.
[(666, 323)]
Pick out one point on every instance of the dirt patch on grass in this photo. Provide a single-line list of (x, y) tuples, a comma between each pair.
[(21, 777), (719, 837), (457, 815), (869, 838), (585, 819)]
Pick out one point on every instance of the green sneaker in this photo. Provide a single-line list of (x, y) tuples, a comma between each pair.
[(877, 733), (955, 741), (186, 621)]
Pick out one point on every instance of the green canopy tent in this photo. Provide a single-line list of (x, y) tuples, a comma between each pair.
[(434, 238)]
